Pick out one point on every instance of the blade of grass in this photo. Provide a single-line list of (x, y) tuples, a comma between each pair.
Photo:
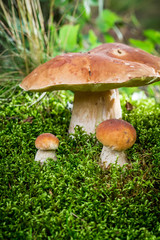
[(23, 42)]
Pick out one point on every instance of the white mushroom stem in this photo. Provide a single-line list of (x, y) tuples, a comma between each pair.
[(42, 155), (92, 108), (109, 155)]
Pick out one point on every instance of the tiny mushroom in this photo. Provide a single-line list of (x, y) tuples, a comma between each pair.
[(116, 136), (95, 77), (46, 144)]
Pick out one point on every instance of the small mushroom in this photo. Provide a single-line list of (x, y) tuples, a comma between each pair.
[(46, 144), (116, 136)]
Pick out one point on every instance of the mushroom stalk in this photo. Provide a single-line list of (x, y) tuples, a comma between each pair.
[(92, 108), (108, 155), (42, 155)]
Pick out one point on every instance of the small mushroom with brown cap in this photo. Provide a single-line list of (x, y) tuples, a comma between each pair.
[(116, 136), (94, 77), (46, 144)]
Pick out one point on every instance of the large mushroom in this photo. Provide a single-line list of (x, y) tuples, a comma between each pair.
[(94, 77)]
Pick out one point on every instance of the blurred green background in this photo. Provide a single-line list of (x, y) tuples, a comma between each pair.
[(33, 32)]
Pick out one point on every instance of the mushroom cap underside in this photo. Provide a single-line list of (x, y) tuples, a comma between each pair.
[(96, 70)]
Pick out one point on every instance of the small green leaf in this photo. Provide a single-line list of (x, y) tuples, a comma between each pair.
[(145, 45), (108, 38), (68, 37), (92, 37), (152, 35), (107, 20)]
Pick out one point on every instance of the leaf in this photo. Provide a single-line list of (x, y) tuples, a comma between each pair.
[(107, 20), (68, 37), (108, 38), (29, 119), (152, 35), (145, 45), (129, 106), (92, 37)]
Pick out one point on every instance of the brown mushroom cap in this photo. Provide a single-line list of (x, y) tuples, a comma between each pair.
[(116, 134), (106, 67), (127, 53), (47, 141)]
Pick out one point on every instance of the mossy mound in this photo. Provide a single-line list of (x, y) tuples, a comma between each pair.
[(73, 198)]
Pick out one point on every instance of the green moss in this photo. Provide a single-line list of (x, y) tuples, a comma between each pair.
[(73, 198)]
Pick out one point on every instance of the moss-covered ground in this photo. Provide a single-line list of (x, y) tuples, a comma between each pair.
[(73, 198)]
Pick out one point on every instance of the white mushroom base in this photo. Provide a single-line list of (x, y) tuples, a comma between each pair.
[(109, 155), (42, 155), (92, 108)]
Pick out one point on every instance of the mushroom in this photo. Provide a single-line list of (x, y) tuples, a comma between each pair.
[(116, 136), (94, 77), (46, 144)]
